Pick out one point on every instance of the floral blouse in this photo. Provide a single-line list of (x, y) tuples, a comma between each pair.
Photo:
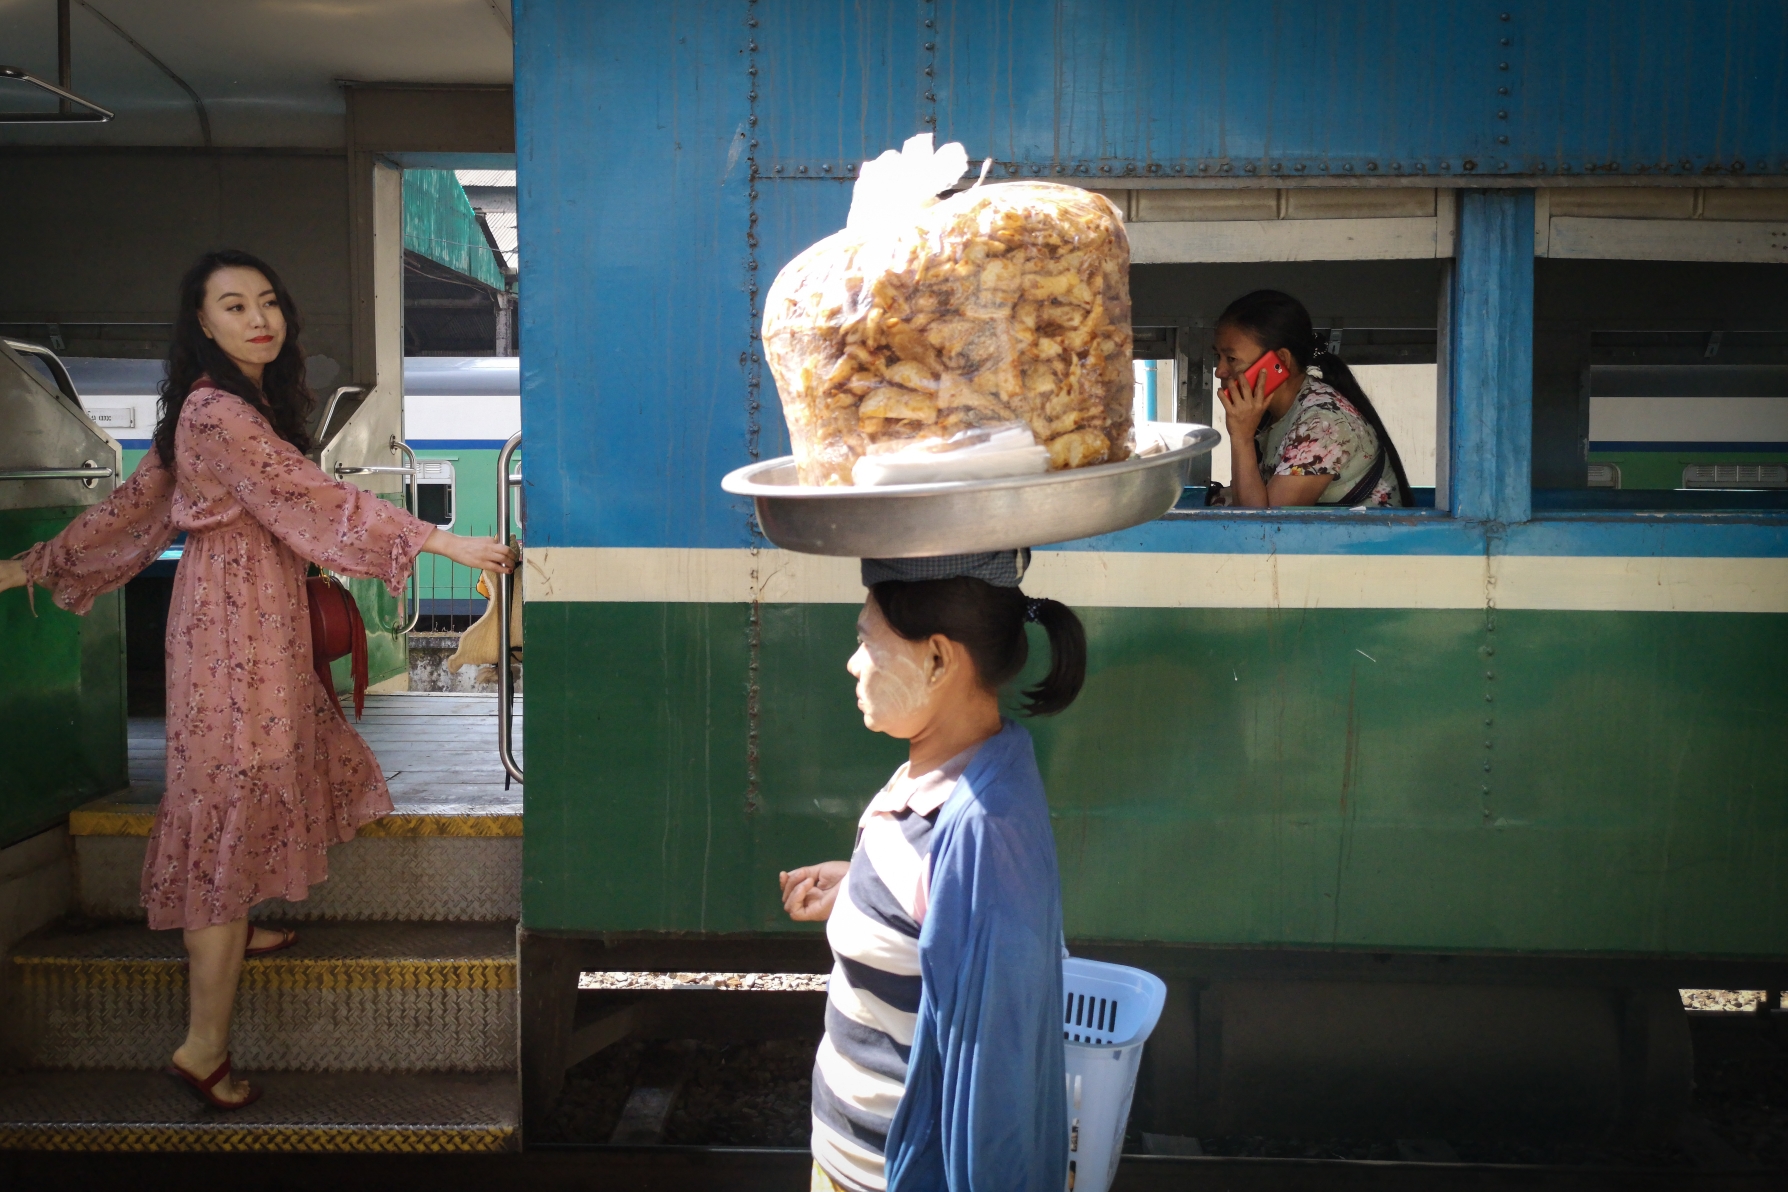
[(1323, 434)]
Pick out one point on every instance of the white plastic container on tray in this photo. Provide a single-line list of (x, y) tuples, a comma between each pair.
[(897, 521), (1110, 1011)]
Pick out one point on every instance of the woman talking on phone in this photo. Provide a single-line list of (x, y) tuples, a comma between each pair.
[(264, 773), (1301, 430)]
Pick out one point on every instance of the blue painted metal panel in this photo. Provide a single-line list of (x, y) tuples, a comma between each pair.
[(634, 211), (652, 240), (837, 81), (1206, 87), (1617, 87), (1490, 359), (1368, 88)]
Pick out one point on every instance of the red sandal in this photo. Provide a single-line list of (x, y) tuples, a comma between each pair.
[(202, 1088), (290, 938)]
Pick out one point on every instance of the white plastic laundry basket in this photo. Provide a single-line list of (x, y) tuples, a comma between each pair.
[(1109, 1013)]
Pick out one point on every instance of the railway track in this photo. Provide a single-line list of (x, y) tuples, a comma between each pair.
[(688, 1169)]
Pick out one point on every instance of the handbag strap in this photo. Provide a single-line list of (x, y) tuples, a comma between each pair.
[(321, 667), (357, 636), (1368, 482), (357, 650)]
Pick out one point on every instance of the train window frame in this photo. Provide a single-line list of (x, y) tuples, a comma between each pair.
[(1181, 222), (1684, 227)]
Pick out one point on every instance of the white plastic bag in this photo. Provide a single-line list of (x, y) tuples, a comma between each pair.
[(985, 453), (923, 319)]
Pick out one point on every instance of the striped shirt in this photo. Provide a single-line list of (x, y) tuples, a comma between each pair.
[(872, 1000)]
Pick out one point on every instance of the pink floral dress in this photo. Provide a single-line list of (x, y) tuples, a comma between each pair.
[(263, 773)]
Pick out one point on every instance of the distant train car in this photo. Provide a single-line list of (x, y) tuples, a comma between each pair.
[(1709, 428), (458, 413)]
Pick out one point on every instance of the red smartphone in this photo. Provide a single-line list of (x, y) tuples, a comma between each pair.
[(1275, 371)]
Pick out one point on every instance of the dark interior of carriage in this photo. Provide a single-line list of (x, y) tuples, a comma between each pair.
[(1659, 385)]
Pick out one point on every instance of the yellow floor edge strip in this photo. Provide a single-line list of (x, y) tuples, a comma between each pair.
[(137, 820), (271, 973), (204, 1137)]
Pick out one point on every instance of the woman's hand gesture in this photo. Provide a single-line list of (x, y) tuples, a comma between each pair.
[(1244, 405), (12, 574), (809, 892), (480, 554)]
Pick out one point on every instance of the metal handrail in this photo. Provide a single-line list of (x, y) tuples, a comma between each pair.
[(412, 502), (90, 473), (94, 114), (329, 411), (51, 361), (363, 470), (505, 599)]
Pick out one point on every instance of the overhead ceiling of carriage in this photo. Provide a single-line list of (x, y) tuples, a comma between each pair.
[(269, 72)]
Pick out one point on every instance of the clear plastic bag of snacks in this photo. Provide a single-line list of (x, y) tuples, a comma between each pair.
[(1007, 303)]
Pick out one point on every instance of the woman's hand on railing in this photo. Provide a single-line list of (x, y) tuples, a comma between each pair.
[(12, 574), (480, 554), (809, 892)]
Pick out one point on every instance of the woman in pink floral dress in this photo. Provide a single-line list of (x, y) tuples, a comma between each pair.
[(264, 774)]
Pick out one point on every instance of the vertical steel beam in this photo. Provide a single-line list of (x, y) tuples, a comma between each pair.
[(1489, 358), (64, 55)]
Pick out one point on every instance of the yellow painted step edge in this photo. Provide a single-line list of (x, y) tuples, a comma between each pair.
[(267, 973), (208, 1137), (117, 819)]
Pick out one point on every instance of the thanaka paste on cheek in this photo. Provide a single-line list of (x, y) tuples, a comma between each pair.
[(895, 687)]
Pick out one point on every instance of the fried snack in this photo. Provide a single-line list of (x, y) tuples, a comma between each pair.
[(1007, 303)]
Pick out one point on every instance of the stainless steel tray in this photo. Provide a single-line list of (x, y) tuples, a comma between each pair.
[(899, 521)]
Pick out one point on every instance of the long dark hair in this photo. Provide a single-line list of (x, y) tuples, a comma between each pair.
[(282, 394), (989, 621), (1275, 320)]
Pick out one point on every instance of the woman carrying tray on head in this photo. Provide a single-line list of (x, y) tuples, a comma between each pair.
[(942, 1064), (264, 774), (1315, 438)]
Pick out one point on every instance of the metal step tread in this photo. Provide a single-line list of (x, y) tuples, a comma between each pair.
[(464, 809), (300, 1111), (483, 953), (349, 997), (438, 877)]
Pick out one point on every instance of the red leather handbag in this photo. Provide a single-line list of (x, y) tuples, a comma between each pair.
[(336, 631)]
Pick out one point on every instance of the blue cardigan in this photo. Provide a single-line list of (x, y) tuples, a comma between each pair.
[(984, 1106)]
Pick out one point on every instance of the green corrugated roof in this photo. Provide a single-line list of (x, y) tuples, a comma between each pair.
[(440, 224)]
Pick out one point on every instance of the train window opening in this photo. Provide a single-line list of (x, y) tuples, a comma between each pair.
[(434, 491), (1660, 350), (1378, 315)]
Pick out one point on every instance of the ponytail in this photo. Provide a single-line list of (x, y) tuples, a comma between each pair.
[(1067, 658), (1275, 320), (989, 621), (1337, 376)]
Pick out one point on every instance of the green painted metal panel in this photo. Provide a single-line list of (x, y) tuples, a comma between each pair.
[(387, 650), (62, 693), (440, 224), (1663, 469), (1389, 779)]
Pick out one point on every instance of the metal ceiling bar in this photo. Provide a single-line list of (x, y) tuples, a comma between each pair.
[(93, 115), (197, 103)]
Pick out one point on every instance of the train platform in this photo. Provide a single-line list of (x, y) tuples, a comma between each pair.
[(390, 1026)]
